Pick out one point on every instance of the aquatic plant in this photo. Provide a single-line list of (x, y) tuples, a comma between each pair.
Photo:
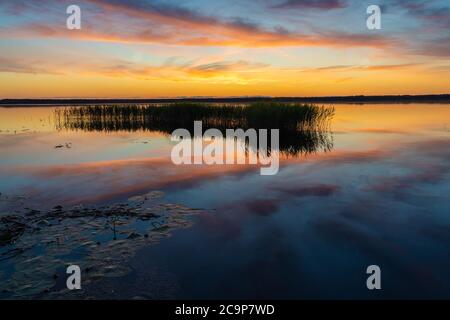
[(303, 127), (36, 245)]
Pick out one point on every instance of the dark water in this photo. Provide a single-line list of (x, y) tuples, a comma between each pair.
[(140, 226)]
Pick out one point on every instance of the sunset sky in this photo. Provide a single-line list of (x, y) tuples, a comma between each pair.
[(172, 48)]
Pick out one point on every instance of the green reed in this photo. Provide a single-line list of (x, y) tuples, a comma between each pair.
[(303, 127)]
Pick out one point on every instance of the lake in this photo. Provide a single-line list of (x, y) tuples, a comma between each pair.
[(375, 191)]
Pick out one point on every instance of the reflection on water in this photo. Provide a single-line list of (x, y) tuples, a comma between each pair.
[(379, 196), (303, 128)]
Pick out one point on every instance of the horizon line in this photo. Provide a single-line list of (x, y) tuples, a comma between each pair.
[(445, 97)]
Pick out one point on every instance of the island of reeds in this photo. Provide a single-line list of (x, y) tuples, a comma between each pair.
[(304, 128)]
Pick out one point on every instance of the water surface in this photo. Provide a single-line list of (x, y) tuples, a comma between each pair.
[(379, 194)]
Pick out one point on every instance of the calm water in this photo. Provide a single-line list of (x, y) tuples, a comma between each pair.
[(379, 196)]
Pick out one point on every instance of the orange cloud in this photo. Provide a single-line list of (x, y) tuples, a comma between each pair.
[(172, 25), (219, 35)]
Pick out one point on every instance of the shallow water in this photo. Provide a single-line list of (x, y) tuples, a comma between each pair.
[(379, 196)]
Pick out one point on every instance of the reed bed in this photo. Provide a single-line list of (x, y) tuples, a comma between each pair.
[(302, 127), (168, 117)]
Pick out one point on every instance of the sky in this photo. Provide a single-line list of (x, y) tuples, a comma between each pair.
[(180, 48)]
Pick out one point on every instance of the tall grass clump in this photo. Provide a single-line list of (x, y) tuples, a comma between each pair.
[(302, 126), (168, 117)]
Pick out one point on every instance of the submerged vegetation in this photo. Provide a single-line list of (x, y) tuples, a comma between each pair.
[(303, 127), (37, 244)]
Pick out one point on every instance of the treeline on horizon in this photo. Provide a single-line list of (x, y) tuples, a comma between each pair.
[(439, 98)]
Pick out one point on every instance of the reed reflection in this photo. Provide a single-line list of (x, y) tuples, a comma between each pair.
[(303, 128)]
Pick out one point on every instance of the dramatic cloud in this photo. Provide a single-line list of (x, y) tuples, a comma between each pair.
[(164, 23), (273, 47)]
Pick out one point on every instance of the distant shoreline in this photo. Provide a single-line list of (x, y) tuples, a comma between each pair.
[(440, 98)]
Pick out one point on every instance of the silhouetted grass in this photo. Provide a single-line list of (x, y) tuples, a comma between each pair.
[(303, 127)]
